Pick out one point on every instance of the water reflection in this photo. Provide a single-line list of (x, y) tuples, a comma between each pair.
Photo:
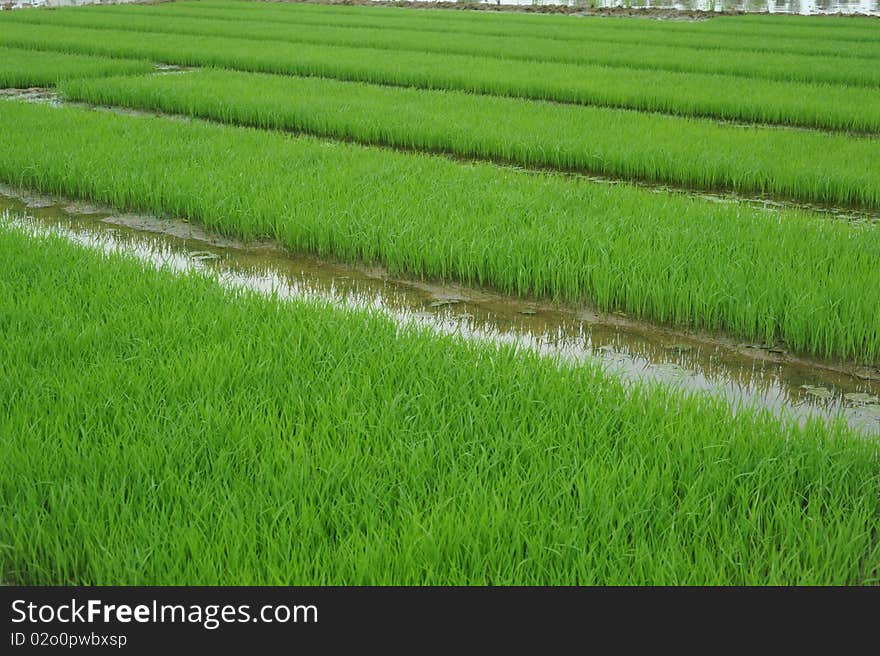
[(744, 374), (803, 7)]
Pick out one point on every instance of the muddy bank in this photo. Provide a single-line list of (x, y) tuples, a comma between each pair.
[(746, 374), (32, 94)]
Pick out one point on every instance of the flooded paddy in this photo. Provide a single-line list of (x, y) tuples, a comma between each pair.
[(400, 375), (746, 374)]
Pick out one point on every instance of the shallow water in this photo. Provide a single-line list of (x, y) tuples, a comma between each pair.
[(744, 374), (803, 7)]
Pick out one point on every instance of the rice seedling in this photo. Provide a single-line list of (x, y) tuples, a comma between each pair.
[(852, 28), (808, 281), (157, 429), (798, 165), (826, 106), (585, 31), (777, 27), (34, 68), (780, 66)]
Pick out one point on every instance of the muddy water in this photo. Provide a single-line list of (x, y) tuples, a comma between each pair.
[(743, 373)]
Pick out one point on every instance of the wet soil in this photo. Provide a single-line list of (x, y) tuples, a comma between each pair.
[(746, 374)]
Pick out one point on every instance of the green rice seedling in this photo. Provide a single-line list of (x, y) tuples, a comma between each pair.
[(799, 165), (808, 281), (586, 31), (854, 28), (780, 66), (737, 98), (34, 68), (160, 430), (770, 28)]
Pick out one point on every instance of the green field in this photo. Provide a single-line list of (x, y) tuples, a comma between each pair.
[(800, 67), (811, 167), (160, 428), (808, 104), (582, 35), (147, 423), (797, 277), (28, 68)]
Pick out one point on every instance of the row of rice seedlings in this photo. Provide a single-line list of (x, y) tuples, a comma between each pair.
[(158, 430), (789, 67), (770, 28), (857, 27), (727, 97), (585, 31), (812, 283), (795, 164), (34, 68)]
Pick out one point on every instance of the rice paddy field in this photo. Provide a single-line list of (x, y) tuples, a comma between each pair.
[(709, 186)]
